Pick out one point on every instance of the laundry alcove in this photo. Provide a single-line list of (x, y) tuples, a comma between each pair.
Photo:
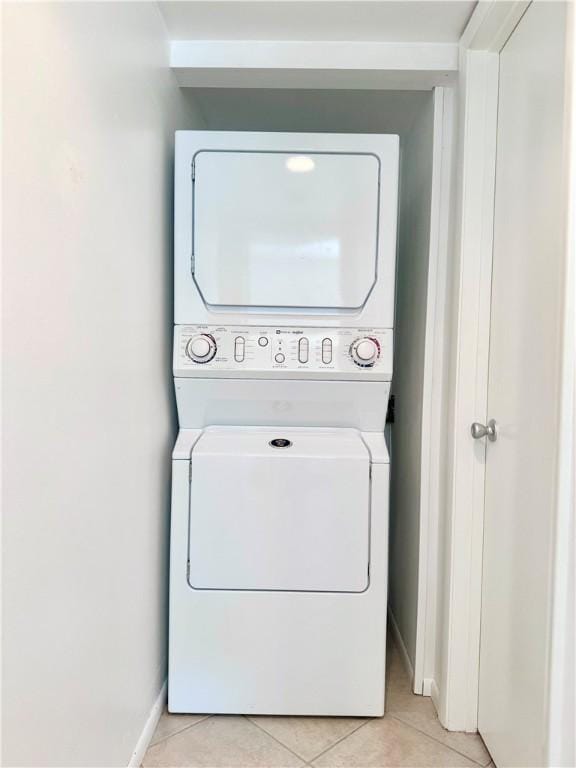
[(422, 120)]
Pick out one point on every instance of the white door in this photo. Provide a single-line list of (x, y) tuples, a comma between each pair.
[(275, 229), (285, 510), (523, 391)]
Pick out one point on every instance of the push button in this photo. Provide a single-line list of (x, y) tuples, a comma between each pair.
[(303, 349), (263, 341), (279, 357), (239, 349), (326, 351)]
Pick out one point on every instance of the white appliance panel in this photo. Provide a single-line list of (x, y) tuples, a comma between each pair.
[(293, 518), (283, 352), (203, 402), (279, 229)]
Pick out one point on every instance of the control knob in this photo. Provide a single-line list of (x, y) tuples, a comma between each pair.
[(365, 351), (201, 348)]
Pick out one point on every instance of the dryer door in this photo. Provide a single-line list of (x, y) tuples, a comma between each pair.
[(294, 518), (285, 230)]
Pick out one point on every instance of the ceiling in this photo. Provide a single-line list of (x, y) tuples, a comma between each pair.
[(337, 111), (353, 20)]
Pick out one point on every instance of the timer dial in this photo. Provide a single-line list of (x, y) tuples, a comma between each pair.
[(365, 351), (201, 348)]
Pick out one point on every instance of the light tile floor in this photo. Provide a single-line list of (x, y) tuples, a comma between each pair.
[(408, 735)]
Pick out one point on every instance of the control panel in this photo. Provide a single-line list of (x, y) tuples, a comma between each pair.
[(283, 352)]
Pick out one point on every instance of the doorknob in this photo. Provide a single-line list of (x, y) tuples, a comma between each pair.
[(489, 430)]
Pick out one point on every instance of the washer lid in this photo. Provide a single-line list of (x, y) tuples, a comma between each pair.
[(305, 443), (285, 230), (285, 509)]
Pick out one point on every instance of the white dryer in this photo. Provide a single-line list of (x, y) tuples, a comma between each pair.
[(284, 284)]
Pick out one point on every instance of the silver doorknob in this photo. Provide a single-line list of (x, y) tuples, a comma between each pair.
[(489, 430)]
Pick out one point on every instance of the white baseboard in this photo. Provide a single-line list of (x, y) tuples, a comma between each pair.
[(149, 728), (427, 684), (402, 648)]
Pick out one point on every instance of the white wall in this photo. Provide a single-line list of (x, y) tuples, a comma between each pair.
[(89, 108), (561, 746), (287, 109), (407, 386)]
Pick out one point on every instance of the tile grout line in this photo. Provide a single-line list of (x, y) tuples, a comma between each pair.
[(339, 741), (186, 728), (442, 743), (248, 717)]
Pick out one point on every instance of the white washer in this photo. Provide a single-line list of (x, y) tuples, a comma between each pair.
[(284, 284)]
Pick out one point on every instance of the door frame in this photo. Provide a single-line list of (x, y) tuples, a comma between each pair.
[(444, 127), (489, 28), (456, 691), (454, 688)]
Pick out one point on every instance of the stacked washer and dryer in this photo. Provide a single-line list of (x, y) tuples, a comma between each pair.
[(285, 250)]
